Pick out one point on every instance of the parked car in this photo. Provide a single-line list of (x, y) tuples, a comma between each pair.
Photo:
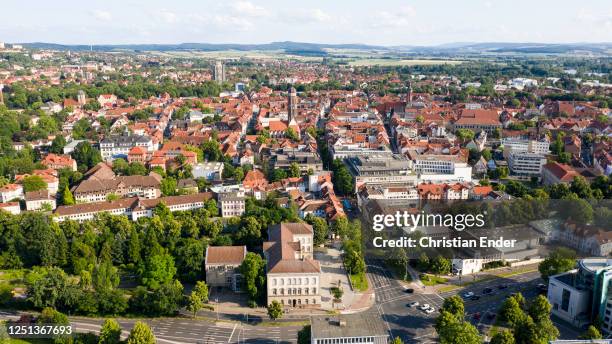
[(502, 286), (487, 291), (477, 316), (430, 310), (425, 306), (491, 316), (475, 297), (409, 290), (413, 304), (468, 294)]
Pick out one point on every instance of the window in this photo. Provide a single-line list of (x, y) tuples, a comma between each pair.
[(565, 299)]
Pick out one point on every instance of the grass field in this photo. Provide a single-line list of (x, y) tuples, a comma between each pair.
[(398, 62), (431, 280), (234, 54)]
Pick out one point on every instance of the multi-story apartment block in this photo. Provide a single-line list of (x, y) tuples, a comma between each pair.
[(439, 167), (382, 170), (517, 145), (307, 161), (221, 265), (231, 203), (118, 146), (94, 190), (526, 164), (134, 207), (293, 276)]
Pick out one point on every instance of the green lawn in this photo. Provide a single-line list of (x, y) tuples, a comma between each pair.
[(431, 280), (13, 277), (359, 281), (448, 288)]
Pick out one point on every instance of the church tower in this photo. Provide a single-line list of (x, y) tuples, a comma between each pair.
[(292, 105), (409, 92), (81, 97)]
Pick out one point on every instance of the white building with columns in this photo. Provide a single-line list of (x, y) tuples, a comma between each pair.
[(293, 276)]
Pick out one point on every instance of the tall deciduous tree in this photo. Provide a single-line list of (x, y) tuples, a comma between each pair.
[(454, 305), (558, 261), (252, 270), (33, 183)]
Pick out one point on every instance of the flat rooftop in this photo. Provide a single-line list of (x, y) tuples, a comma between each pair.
[(353, 325)]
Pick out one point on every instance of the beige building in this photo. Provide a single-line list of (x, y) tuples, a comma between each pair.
[(39, 200), (293, 276), (221, 265), (94, 190), (231, 203)]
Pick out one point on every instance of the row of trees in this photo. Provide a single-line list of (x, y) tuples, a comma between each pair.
[(528, 323), (22, 96)]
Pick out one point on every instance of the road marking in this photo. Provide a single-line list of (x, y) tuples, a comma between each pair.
[(232, 334)]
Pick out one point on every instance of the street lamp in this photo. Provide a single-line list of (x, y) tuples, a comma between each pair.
[(217, 308)]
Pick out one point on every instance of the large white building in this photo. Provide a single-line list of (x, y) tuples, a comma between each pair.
[(441, 167), (526, 164), (293, 276), (119, 146), (134, 208), (515, 145), (382, 170)]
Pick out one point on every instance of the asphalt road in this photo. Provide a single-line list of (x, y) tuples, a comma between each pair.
[(197, 331), (415, 326), (409, 323)]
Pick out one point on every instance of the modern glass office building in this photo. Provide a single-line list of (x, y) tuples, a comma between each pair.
[(584, 294)]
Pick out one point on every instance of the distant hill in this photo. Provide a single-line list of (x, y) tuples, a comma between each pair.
[(318, 49), (286, 46)]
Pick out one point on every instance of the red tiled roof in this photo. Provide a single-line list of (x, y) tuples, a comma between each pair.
[(564, 173), (225, 254)]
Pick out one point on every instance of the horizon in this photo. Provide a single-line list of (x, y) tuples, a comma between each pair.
[(464, 43)]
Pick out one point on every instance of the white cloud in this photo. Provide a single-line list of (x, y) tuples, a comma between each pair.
[(249, 9), (166, 16), (102, 15), (305, 16), (224, 22), (400, 17)]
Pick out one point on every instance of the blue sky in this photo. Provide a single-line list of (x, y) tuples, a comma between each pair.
[(384, 22)]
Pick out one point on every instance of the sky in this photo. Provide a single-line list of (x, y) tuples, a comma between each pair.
[(377, 22)]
